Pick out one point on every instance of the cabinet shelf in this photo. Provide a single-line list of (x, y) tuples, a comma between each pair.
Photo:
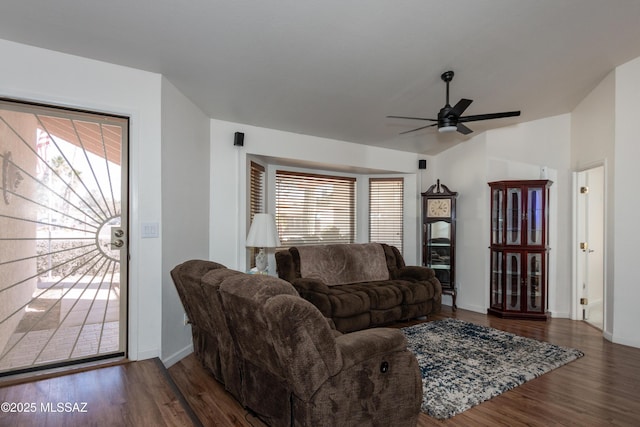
[(439, 266)]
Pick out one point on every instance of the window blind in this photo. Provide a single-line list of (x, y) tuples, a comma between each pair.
[(386, 211), (256, 190), (256, 200), (314, 209)]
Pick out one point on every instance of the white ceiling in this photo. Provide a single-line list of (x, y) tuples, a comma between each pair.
[(336, 68)]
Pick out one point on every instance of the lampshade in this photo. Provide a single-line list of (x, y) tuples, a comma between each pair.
[(263, 232)]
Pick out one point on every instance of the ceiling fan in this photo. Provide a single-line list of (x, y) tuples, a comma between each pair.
[(450, 118)]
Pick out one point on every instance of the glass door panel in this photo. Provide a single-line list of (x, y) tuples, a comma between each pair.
[(496, 280), (514, 278), (497, 217), (534, 281), (439, 251), (514, 214), (534, 216)]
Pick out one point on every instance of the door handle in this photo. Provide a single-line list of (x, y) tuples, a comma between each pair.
[(118, 243)]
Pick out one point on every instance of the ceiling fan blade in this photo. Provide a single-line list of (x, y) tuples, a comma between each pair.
[(459, 108), (417, 129), (463, 129), (488, 116), (411, 118)]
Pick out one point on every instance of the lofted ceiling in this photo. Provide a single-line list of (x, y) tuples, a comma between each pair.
[(336, 68)]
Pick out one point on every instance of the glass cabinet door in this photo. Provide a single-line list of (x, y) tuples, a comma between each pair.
[(534, 216), (439, 251), (534, 282), (496, 280), (513, 280), (514, 215), (497, 217)]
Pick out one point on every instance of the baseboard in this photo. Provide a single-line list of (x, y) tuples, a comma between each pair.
[(476, 308), (177, 356), (631, 343), (144, 355)]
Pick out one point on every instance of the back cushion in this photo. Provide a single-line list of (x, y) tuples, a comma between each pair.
[(343, 264)]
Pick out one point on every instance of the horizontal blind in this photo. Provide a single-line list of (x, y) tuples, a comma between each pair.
[(314, 209), (386, 211), (256, 190), (256, 200)]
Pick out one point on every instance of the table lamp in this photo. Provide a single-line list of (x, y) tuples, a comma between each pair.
[(262, 234)]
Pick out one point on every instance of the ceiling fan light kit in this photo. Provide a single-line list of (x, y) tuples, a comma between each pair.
[(447, 129), (450, 118)]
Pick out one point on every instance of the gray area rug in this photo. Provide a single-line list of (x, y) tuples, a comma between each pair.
[(463, 364)]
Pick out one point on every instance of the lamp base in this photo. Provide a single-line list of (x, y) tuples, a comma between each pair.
[(261, 262)]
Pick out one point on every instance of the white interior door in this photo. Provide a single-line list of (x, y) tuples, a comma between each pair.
[(590, 245)]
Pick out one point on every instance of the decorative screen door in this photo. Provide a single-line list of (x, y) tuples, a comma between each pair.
[(63, 236)]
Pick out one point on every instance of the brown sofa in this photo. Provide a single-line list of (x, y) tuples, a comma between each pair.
[(360, 286), (278, 355)]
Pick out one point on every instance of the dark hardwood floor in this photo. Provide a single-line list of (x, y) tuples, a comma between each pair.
[(127, 394), (600, 389)]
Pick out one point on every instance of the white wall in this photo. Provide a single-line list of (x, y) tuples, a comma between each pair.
[(229, 179), (626, 199), (185, 208), (462, 169), (45, 76)]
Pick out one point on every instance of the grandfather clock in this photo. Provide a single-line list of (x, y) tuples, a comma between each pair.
[(439, 236)]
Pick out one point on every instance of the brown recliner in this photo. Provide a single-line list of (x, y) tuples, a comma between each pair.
[(297, 370), (187, 277), (197, 283)]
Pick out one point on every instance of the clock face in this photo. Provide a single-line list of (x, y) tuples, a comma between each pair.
[(439, 208)]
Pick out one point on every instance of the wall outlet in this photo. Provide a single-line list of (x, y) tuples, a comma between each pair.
[(185, 319)]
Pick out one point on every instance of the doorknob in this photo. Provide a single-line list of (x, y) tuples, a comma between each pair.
[(118, 243)]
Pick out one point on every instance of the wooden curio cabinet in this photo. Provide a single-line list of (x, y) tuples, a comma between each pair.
[(519, 249), (439, 236)]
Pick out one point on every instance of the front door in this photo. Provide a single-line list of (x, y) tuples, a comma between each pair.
[(63, 236)]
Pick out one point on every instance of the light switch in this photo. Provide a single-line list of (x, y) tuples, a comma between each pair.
[(150, 230)]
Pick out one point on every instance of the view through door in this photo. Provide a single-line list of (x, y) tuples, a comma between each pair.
[(63, 236), (591, 245)]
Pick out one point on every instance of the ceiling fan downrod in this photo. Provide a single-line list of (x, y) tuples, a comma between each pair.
[(447, 76)]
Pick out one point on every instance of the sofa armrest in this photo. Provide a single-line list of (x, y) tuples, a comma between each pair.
[(305, 343), (358, 346), (311, 285), (316, 292), (415, 273)]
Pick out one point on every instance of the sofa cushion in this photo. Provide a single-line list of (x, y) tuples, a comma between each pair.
[(343, 264)]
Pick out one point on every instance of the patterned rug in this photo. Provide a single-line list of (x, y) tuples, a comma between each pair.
[(463, 364)]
